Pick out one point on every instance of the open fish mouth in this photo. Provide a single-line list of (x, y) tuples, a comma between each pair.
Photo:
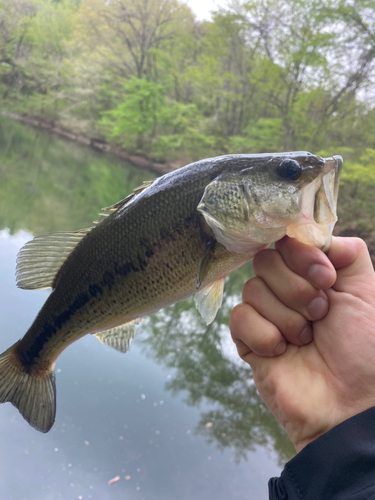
[(318, 207)]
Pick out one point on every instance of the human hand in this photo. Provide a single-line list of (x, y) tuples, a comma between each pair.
[(307, 328)]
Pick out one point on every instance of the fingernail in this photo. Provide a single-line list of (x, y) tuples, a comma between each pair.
[(319, 275), (280, 348), (318, 308), (306, 335)]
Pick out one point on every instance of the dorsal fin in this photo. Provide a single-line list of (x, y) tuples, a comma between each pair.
[(40, 259), (105, 212)]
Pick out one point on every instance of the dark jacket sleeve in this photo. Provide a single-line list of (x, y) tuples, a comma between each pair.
[(339, 465)]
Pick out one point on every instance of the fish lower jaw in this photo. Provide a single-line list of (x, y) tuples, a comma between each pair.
[(311, 233)]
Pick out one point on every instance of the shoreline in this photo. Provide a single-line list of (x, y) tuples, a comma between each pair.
[(139, 161)]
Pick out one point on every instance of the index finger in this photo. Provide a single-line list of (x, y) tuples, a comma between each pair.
[(308, 262)]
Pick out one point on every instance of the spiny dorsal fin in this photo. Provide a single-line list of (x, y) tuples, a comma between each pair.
[(143, 186), (208, 301), (40, 259), (120, 337), (113, 208)]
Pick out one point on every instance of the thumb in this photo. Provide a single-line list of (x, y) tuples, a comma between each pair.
[(355, 272)]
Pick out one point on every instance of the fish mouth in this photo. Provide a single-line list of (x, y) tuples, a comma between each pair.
[(318, 205)]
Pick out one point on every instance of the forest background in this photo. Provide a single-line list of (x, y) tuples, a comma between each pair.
[(260, 76)]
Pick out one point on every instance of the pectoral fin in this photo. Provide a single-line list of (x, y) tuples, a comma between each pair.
[(208, 301), (204, 263), (120, 337)]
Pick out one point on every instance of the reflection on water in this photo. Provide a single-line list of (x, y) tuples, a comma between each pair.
[(178, 417), (47, 184), (207, 369)]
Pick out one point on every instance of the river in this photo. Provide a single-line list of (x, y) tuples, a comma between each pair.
[(176, 418)]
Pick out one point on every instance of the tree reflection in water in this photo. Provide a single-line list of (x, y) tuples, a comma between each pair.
[(54, 185), (178, 338)]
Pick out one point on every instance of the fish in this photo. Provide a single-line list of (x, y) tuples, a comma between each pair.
[(176, 236)]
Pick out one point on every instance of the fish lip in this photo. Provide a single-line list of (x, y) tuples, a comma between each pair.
[(333, 163), (315, 228)]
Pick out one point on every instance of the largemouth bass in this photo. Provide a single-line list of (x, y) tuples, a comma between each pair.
[(174, 237)]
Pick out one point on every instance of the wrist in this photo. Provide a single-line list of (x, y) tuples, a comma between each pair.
[(300, 440), (339, 464), (306, 434)]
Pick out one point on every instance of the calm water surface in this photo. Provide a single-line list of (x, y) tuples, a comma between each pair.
[(177, 418)]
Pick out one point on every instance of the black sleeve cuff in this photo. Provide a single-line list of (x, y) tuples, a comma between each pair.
[(339, 465)]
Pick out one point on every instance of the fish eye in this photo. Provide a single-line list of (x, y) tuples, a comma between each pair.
[(289, 169)]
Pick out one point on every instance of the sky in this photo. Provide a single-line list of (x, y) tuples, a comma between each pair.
[(202, 8)]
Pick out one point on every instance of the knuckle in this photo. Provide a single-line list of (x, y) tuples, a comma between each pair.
[(360, 244), (237, 316), (264, 258), (294, 324), (269, 342), (252, 288), (300, 291)]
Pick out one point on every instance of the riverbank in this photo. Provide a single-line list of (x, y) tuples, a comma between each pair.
[(356, 204), (140, 161)]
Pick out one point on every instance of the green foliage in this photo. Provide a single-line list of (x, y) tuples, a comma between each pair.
[(260, 76), (147, 121), (362, 171), (137, 116), (261, 136)]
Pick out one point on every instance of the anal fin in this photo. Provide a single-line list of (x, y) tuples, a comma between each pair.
[(208, 301), (118, 338)]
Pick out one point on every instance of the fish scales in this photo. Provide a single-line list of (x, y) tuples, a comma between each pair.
[(186, 230), (119, 277)]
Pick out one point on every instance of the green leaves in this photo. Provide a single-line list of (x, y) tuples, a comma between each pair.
[(138, 114), (362, 170), (147, 121), (262, 75)]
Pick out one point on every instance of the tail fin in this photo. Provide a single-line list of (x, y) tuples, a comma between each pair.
[(32, 392)]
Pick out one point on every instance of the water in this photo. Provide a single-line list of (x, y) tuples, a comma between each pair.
[(176, 418)]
